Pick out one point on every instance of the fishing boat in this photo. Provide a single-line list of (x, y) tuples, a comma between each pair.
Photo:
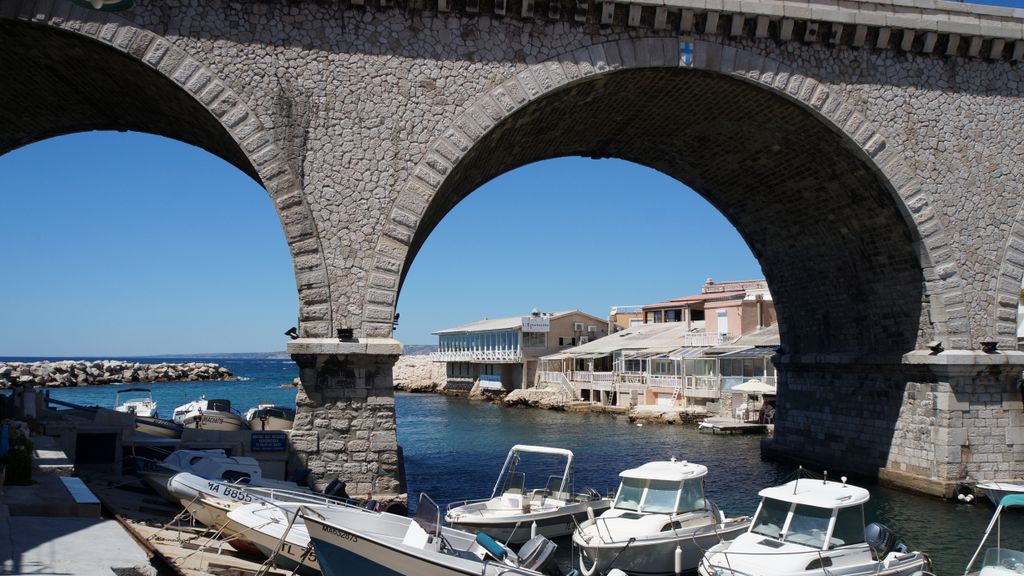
[(269, 416), (514, 513), (139, 402), (209, 415), (209, 465), (278, 531), (813, 527), (999, 561), (660, 523), (214, 503), (157, 427), (996, 491), (349, 541)]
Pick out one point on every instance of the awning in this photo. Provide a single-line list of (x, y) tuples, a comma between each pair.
[(756, 352), (754, 387)]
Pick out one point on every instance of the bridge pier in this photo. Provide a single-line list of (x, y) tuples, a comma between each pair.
[(345, 415), (922, 421)]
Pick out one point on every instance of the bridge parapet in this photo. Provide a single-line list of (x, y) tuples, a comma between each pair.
[(922, 26)]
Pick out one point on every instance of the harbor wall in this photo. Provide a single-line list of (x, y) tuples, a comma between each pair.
[(90, 372)]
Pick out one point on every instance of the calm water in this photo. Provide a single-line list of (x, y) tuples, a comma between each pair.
[(454, 449)]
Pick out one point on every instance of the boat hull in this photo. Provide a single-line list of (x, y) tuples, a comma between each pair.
[(294, 553), (157, 427), (214, 513), (209, 420), (996, 490), (271, 423), (343, 552), (518, 529), (655, 556)]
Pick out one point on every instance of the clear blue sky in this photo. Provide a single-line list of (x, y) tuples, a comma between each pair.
[(132, 244)]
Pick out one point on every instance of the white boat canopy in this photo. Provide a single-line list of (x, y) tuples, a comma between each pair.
[(817, 493), (527, 448), (671, 471)]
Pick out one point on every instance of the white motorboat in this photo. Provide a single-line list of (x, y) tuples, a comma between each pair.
[(997, 490), (269, 416), (999, 561), (139, 402), (354, 541), (207, 464), (812, 527), (209, 415), (157, 427), (279, 532), (214, 504), (660, 523), (514, 512)]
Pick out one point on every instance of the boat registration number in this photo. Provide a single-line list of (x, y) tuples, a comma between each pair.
[(341, 534), (229, 492)]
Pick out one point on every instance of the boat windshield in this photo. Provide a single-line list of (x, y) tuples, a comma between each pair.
[(771, 517), (809, 526), (1011, 560), (630, 492), (660, 496)]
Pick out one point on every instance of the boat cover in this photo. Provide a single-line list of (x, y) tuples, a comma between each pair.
[(1012, 500)]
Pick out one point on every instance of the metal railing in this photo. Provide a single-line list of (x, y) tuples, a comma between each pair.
[(477, 356)]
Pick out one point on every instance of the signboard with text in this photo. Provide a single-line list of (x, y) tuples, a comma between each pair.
[(269, 442), (536, 324)]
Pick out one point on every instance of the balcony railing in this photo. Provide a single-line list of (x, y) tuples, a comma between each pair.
[(477, 356), (557, 379)]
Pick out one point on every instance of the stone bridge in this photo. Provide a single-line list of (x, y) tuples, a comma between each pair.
[(867, 151)]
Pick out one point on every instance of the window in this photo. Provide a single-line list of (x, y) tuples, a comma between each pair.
[(809, 526), (849, 527), (661, 497), (693, 496), (723, 322), (635, 322), (771, 518), (656, 315), (577, 326), (673, 315), (629, 494), (535, 339)]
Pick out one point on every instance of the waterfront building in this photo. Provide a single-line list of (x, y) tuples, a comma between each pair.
[(729, 308), (686, 352), (502, 353)]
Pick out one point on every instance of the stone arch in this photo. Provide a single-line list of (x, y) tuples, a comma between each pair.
[(404, 229), (103, 72), (1008, 285)]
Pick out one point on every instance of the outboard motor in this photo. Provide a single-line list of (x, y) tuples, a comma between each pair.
[(537, 554), (880, 539)]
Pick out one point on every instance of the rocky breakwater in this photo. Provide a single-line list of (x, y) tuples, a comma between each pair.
[(419, 374), (87, 373)]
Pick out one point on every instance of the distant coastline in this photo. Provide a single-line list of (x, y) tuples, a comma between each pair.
[(410, 350)]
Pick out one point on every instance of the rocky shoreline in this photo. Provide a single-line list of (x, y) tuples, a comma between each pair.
[(92, 372)]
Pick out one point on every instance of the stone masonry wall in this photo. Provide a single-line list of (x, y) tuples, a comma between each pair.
[(357, 95), (345, 423)]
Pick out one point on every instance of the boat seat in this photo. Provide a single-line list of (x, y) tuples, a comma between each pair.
[(493, 548)]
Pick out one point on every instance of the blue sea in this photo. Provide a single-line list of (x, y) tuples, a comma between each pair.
[(455, 447)]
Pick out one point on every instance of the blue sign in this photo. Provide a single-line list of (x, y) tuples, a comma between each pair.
[(686, 51), (269, 442)]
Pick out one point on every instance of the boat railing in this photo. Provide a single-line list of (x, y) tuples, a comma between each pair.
[(461, 503), (824, 558)]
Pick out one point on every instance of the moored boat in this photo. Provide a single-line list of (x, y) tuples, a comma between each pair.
[(157, 427), (660, 523), (514, 512), (269, 416), (999, 561), (209, 415), (209, 465), (812, 527), (139, 402), (996, 491), (349, 541)]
